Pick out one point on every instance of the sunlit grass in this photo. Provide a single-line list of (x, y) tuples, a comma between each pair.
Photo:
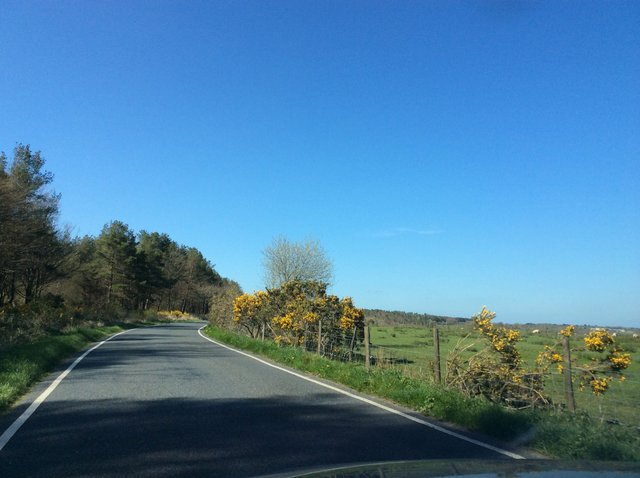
[(24, 364), (391, 384), (621, 403)]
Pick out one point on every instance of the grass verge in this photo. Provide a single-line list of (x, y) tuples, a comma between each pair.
[(562, 435), (24, 364)]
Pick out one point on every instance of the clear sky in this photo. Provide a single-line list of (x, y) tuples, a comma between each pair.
[(448, 155)]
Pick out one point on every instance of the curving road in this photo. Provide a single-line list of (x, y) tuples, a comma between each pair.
[(164, 401)]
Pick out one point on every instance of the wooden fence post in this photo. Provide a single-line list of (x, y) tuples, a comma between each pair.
[(367, 348), (319, 335), (436, 346), (353, 343), (566, 370)]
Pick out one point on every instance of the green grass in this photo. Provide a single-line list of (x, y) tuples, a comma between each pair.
[(391, 384), (579, 436), (415, 344), (560, 434), (23, 365)]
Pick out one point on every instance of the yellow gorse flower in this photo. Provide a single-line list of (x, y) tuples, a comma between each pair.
[(502, 340), (287, 322), (568, 330), (351, 316), (599, 385), (548, 356), (619, 360), (598, 340)]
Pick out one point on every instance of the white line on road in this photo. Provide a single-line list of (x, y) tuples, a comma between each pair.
[(371, 402), (15, 426)]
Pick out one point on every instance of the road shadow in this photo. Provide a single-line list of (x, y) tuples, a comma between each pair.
[(226, 438)]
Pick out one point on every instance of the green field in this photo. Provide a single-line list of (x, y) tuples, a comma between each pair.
[(412, 350)]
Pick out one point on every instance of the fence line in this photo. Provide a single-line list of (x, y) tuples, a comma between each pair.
[(426, 361)]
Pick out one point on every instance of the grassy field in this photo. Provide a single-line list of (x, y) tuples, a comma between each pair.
[(412, 350)]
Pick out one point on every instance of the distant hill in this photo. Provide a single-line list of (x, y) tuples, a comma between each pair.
[(396, 317)]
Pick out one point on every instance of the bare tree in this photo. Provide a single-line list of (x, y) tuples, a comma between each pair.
[(285, 261)]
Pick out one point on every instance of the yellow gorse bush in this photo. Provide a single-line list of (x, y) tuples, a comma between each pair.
[(245, 306), (311, 317), (549, 356), (597, 374), (498, 374), (291, 314), (598, 340), (616, 360), (249, 311), (619, 360), (568, 330), (598, 385), (494, 372), (287, 322), (351, 316), (502, 339)]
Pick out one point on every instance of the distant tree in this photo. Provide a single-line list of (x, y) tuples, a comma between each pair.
[(30, 245), (149, 270), (395, 317), (81, 286), (153, 250), (286, 261), (198, 281), (115, 263)]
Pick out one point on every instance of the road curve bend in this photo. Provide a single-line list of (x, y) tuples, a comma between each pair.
[(163, 401)]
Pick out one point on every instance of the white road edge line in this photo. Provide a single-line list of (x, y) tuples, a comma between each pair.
[(515, 456), (15, 426)]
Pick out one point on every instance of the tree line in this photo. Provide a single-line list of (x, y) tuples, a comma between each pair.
[(136, 272), (119, 268), (395, 317)]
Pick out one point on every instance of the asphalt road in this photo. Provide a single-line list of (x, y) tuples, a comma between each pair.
[(163, 401)]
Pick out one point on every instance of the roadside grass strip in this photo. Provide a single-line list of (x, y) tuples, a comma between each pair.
[(370, 402), (15, 426), (554, 432)]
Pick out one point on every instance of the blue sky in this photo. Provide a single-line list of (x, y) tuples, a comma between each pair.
[(448, 155)]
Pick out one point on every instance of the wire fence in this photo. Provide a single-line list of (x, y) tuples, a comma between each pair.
[(619, 405), (418, 359)]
